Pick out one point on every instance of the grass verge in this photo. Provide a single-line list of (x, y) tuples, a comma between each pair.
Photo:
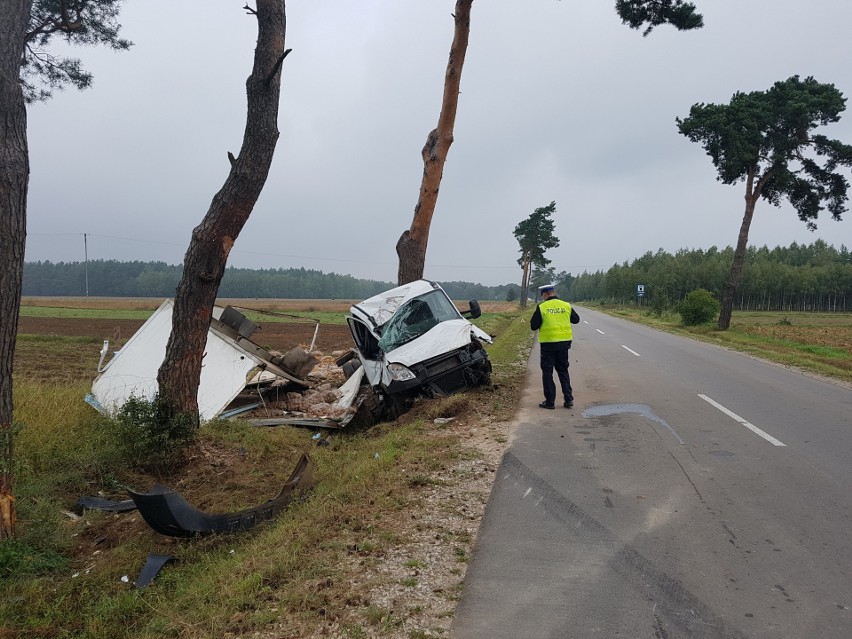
[(70, 575), (819, 343)]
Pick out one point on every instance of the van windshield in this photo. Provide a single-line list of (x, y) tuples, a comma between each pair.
[(416, 317)]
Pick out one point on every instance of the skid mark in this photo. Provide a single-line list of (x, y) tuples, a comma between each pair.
[(680, 607)]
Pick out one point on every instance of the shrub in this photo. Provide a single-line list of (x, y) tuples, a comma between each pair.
[(698, 307), (152, 435), (659, 304)]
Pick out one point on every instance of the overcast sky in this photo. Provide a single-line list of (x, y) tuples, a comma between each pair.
[(559, 102)]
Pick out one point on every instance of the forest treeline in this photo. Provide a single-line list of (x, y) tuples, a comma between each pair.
[(801, 277), (112, 278)]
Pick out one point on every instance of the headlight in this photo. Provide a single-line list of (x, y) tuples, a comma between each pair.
[(400, 373)]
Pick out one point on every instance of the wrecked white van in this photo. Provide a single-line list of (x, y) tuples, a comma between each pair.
[(412, 340)]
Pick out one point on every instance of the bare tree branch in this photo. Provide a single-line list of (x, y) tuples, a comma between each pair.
[(277, 67)]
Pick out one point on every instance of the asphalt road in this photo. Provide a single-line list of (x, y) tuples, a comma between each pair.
[(692, 492)]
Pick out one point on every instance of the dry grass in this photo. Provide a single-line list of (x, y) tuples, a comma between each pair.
[(107, 303), (377, 550), (819, 343)]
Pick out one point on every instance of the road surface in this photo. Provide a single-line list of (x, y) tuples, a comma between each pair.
[(692, 492)]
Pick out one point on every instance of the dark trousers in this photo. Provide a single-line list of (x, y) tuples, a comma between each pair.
[(555, 356)]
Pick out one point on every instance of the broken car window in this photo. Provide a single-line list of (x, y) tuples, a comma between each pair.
[(415, 318), (364, 340)]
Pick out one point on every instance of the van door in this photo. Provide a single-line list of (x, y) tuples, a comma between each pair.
[(371, 356)]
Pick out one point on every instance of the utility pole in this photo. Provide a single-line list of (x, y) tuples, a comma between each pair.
[(86, 254)]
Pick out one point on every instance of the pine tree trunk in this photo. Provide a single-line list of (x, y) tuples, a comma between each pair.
[(525, 283), (411, 247), (737, 265), (204, 264), (14, 183)]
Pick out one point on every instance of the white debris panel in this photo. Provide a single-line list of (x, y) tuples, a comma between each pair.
[(228, 359)]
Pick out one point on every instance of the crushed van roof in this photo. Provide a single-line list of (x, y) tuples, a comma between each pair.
[(380, 308)]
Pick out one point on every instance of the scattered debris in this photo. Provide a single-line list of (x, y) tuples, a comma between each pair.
[(152, 567), (338, 408), (99, 503), (168, 513), (228, 359), (409, 341)]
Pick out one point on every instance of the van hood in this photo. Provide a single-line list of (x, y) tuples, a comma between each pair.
[(442, 338)]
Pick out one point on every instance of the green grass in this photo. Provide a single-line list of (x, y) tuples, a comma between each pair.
[(508, 354), (218, 578), (819, 343), (84, 313), (62, 577)]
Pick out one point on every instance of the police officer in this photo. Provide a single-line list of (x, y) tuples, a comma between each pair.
[(552, 319)]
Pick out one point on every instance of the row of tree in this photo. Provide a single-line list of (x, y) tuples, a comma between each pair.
[(815, 277), (801, 277), (29, 72), (112, 278)]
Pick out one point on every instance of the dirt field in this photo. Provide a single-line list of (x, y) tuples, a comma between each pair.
[(279, 336), (152, 303)]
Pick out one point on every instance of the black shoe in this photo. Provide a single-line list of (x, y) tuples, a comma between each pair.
[(568, 404), (546, 405)]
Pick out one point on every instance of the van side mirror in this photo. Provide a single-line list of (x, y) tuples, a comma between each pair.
[(474, 311)]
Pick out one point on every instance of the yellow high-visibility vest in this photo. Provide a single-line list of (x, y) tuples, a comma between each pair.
[(555, 321)]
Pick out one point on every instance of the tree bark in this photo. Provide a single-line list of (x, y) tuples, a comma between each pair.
[(411, 247), (14, 183), (738, 262), (204, 264)]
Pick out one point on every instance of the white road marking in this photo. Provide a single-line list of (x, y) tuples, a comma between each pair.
[(528, 491), (600, 331), (737, 418), (630, 350)]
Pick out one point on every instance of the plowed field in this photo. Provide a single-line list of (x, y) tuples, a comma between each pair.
[(279, 336)]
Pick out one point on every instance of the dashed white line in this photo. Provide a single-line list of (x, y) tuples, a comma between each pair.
[(600, 331), (630, 350), (737, 418)]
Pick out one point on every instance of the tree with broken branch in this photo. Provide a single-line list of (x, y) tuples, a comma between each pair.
[(204, 263), (28, 73), (411, 246), (768, 140)]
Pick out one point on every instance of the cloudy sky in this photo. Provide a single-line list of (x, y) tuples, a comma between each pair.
[(560, 102)]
